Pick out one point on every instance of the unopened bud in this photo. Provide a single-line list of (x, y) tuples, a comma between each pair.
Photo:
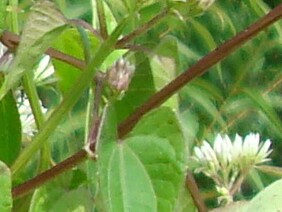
[(119, 75)]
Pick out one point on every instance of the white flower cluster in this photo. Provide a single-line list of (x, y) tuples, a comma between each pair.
[(226, 160), (26, 117)]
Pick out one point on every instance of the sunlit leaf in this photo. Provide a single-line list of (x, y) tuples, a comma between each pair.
[(10, 133), (69, 42), (267, 200)]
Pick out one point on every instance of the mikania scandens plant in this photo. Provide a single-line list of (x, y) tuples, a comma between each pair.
[(228, 163)]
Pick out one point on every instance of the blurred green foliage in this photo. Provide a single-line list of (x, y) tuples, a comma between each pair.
[(241, 94)]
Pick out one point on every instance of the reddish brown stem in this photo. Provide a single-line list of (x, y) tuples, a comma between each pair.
[(195, 193), (49, 174), (199, 68), (12, 41)]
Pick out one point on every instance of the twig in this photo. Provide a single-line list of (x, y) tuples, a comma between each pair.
[(12, 40), (195, 193), (40, 179), (142, 29)]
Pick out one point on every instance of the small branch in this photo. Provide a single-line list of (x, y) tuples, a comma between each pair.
[(85, 25), (12, 40), (238, 183), (199, 68), (142, 29), (195, 193), (40, 179)]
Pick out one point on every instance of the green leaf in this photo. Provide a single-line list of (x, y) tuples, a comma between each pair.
[(185, 202), (154, 156), (5, 188), (167, 174), (138, 91), (124, 182), (43, 25), (54, 197), (69, 42), (119, 169), (10, 133), (267, 200)]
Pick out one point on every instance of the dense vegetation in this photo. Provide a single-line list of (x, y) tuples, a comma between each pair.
[(109, 106)]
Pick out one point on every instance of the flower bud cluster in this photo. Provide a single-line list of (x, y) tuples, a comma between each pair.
[(227, 160), (119, 75)]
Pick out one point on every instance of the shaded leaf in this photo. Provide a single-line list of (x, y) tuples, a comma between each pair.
[(53, 197), (10, 133), (43, 25), (138, 91), (5, 188)]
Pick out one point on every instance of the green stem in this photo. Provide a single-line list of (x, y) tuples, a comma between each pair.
[(34, 101), (14, 16), (30, 90), (102, 19), (86, 43), (71, 98)]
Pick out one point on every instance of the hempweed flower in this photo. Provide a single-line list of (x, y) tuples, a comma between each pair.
[(228, 162), (250, 152)]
